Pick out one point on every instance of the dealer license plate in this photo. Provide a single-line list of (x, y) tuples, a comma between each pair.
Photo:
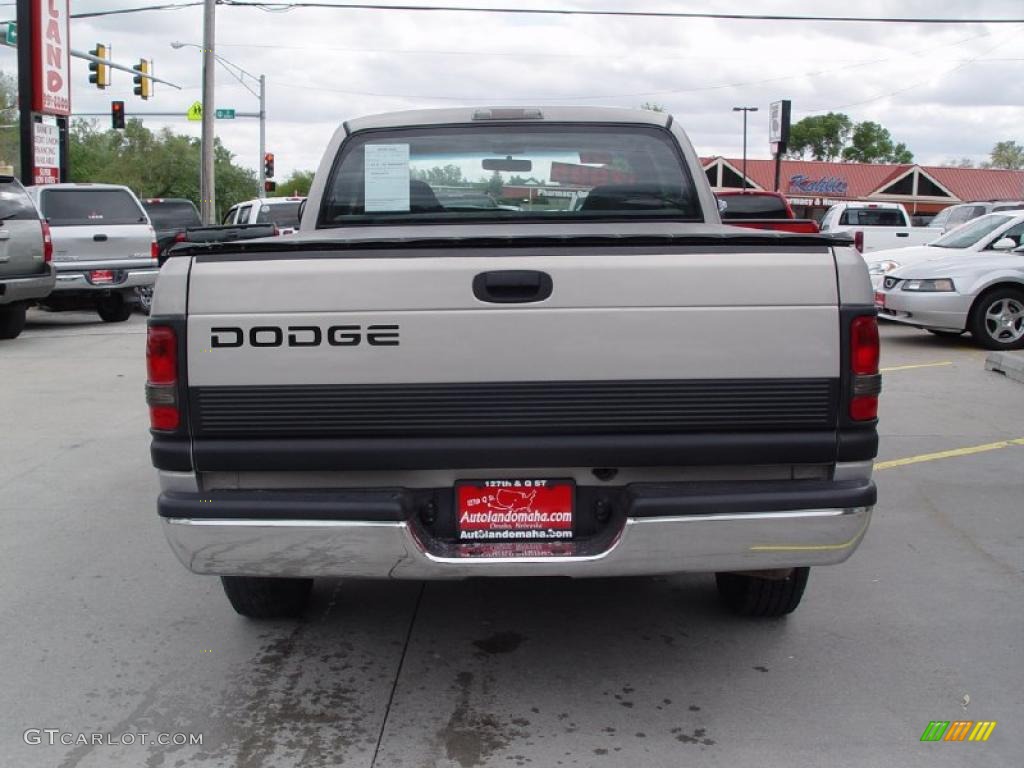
[(879, 299), (524, 509)]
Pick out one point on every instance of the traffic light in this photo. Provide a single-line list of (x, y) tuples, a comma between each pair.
[(269, 186), (117, 115), (143, 85), (100, 76), (268, 165)]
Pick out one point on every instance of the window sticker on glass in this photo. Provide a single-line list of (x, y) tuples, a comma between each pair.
[(386, 173)]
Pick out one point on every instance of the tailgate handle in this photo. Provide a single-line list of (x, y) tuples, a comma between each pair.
[(512, 286), (100, 238), (902, 234)]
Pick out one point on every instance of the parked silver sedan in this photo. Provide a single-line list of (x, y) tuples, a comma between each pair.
[(980, 293)]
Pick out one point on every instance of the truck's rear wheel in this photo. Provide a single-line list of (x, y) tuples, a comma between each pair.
[(267, 598), (759, 597), (12, 320), (114, 309)]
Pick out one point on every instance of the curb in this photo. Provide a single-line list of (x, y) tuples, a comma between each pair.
[(1010, 364)]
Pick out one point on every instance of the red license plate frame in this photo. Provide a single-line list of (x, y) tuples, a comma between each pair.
[(516, 509)]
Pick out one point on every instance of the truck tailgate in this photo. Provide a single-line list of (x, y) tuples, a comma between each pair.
[(679, 315), (629, 342)]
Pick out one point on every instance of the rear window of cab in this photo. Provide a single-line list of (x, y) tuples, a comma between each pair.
[(502, 172), (85, 207)]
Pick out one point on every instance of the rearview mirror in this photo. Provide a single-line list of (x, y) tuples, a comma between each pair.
[(506, 164), (1004, 244)]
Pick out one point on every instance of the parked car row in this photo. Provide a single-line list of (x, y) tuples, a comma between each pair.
[(83, 246)]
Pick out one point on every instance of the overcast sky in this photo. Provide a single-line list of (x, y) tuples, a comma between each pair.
[(946, 91)]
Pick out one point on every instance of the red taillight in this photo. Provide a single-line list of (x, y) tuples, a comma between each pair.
[(162, 377), (864, 408), (864, 345), (161, 355), (180, 237), (858, 241), (47, 243), (154, 250), (164, 417), (866, 382)]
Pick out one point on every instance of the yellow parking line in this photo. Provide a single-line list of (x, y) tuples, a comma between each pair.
[(911, 367), (949, 454)]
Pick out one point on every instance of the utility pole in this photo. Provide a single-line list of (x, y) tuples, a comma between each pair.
[(263, 134), (207, 193), (744, 110), (25, 32)]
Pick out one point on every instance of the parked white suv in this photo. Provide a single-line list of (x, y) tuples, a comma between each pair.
[(282, 212), (104, 247)]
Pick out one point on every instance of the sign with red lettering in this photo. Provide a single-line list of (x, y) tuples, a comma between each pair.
[(46, 152), (51, 57)]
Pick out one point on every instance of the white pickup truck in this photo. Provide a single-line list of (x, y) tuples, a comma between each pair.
[(876, 226), (408, 389), (282, 212)]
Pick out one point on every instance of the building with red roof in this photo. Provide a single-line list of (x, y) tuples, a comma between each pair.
[(812, 185)]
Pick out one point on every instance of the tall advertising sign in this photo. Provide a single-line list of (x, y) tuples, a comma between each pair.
[(778, 125), (51, 58), (778, 133)]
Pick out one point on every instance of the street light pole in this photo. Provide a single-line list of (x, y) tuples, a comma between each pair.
[(263, 135), (239, 74), (207, 191), (744, 110)]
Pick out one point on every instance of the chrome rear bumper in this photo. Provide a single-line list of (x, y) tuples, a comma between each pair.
[(400, 550), (74, 276)]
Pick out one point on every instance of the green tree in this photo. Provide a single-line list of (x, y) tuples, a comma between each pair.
[(9, 136), (447, 176), (872, 143), (162, 164), (495, 184), (297, 184), (820, 136), (1008, 155)]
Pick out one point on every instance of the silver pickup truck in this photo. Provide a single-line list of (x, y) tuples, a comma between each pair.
[(104, 247), (406, 389)]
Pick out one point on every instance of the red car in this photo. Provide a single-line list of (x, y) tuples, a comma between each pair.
[(761, 210)]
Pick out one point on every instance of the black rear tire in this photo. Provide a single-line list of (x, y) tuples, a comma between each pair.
[(12, 320), (114, 309), (755, 597), (260, 597)]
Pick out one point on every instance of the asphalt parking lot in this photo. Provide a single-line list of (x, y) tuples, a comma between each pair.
[(104, 631)]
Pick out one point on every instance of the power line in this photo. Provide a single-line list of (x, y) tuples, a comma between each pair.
[(277, 7), (289, 6), (137, 9)]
